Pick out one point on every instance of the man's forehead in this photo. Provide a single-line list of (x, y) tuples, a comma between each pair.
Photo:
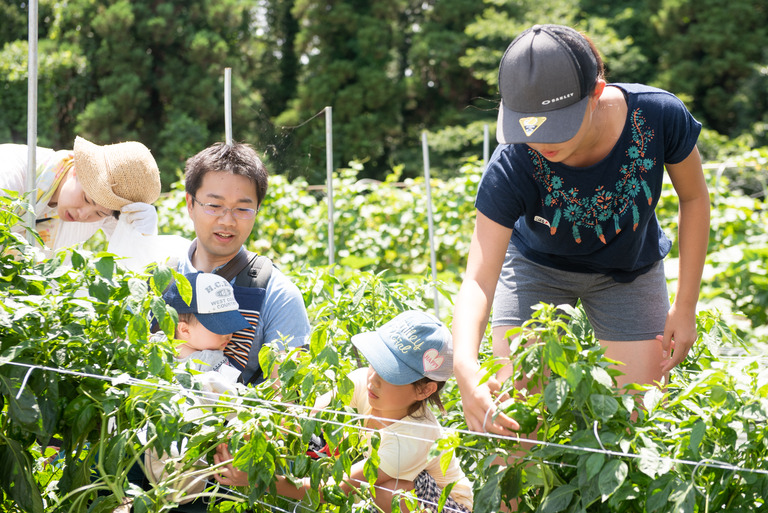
[(227, 186)]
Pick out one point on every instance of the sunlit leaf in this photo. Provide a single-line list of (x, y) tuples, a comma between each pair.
[(612, 477)]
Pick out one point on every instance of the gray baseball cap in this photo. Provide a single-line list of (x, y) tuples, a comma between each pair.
[(545, 79)]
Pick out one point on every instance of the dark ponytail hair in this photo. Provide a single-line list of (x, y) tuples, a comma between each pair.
[(433, 399)]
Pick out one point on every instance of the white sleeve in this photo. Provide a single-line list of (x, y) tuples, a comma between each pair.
[(13, 167), (70, 234)]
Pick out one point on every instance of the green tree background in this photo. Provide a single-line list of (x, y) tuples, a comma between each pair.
[(114, 70)]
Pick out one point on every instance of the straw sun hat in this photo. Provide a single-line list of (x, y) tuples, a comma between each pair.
[(115, 175)]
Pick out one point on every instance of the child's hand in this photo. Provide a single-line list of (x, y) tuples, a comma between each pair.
[(228, 475)]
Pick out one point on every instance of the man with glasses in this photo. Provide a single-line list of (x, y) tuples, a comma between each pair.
[(225, 186)]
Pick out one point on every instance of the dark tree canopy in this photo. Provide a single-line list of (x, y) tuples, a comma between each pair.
[(114, 70)]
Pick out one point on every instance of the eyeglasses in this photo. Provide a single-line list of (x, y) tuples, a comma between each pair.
[(215, 210)]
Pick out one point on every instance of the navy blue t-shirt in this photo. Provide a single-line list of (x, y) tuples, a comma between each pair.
[(599, 218)]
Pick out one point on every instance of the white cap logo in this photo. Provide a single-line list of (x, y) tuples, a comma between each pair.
[(214, 294)]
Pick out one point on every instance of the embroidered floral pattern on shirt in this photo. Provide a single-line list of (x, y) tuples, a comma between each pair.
[(606, 206)]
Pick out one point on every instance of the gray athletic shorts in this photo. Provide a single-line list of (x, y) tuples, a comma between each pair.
[(617, 311)]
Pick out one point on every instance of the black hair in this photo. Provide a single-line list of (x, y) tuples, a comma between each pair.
[(583, 58), (236, 158), (433, 399)]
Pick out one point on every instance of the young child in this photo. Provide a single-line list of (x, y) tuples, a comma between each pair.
[(206, 324), (411, 358)]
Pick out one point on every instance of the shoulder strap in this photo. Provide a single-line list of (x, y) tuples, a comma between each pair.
[(236, 265), (248, 269), (256, 273)]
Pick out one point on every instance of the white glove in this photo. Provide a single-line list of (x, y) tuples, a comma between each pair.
[(141, 216)]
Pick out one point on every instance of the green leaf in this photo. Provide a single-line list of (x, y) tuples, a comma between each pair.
[(556, 394), (684, 498), (652, 399), (167, 320), (99, 290), (24, 410), (594, 464), (318, 341), (558, 500), (446, 457), (162, 277), (106, 266), (574, 375), (555, 357), (16, 477), (512, 482), (329, 355), (371, 467), (601, 376), (78, 261), (301, 465), (612, 477), (267, 360), (138, 290), (115, 453), (156, 360), (650, 463), (137, 329), (697, 435), (487, 500), (345, 389), (444, 496), (603, 406), (657, 501)]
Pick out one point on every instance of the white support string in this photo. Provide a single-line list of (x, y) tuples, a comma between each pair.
[(124, 379), (24, 382), (597, 435)]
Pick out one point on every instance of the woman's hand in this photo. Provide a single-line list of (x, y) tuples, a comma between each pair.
[(228, 475), (679, 336), (141, 216), (480, 401)]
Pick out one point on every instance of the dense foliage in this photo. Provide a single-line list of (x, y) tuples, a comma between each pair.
[(85, 395), (153, 71)]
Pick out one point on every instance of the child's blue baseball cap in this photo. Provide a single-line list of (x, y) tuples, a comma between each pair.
[(213, 303), (411, 346)]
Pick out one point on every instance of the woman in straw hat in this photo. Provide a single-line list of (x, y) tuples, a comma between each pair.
[(81, 191)]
